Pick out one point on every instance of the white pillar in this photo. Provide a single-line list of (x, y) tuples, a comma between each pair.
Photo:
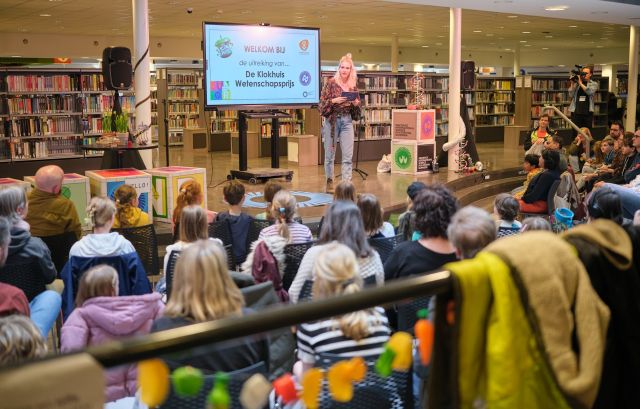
[(632, 92), (141, 73), (455, 39), (610, 70), (394, 53), (516, 61)]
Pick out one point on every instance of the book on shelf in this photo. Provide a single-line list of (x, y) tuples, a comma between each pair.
[(41, 83)]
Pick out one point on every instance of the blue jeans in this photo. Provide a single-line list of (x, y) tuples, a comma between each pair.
[(45, 308), (629, 198), (344, 134)]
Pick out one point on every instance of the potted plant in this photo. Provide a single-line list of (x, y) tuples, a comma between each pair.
[(122, 127), (107, 125)]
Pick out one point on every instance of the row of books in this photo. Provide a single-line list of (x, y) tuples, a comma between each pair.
[(550, 97), (385, 99), (538, 110), (183, 108), (44, 83), (551, 84), (183, 122), (494, 120), (381, 82), (226, 126), (495, 109), (92, 82), (378, 115), (97, 103), (494, 97), (42, 104), (285, 129), (182, 93), (182, 78), (382, 131), (503, 85), (36, 148), (43, 126)]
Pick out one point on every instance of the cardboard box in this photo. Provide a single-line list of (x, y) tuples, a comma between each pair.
[(413, 125), (10, 181), (75, 187), (105, 182), (411, 158), (166, 183)]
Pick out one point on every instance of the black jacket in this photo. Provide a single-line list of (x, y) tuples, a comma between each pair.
[(23, 247), (539, 186)]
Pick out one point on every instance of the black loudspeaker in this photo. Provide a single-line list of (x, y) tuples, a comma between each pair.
[(468, 75), (116, 68)]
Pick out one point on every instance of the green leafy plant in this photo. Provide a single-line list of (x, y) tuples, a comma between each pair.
[(122, 122), (107, 125)]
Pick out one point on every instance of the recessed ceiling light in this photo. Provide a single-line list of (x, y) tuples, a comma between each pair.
[(394, 33), (352, 39), (512, 16), (500, 38), (548, 36), (527, 45), (45, 15), (425, 46), (440, 36), (556, 8), (500, 27), (561, 65), (219, 11), (545, 48), (523, 41), (507, 49), (489, 35), (573, 26), (477, 31), (586, 34), (604, 38), (526, 32), (16, 56), (438, 43), (249, 11), (525, 22)]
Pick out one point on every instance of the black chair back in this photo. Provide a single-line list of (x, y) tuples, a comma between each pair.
[(145, 242), (25, 276), (168, 274), (392, 392), (236, 381), (407, 313), (507, 231), (305, 292), (220, 229), (293, 254), (255, 227), (59, 246), (231, 258), (385, 245)]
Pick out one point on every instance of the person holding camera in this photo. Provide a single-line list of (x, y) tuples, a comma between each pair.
[(338, 99), (581, 93)]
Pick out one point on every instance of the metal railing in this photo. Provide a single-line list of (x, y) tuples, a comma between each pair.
[(116, 353)]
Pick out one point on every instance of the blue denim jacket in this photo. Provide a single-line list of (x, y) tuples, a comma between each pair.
[(592, 88)]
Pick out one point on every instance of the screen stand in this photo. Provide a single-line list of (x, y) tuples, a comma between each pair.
[(260, 174)]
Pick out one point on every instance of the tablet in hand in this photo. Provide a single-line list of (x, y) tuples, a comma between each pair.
[(350, 96)]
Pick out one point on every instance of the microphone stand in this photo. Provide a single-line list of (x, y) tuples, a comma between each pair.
[(359, 171)]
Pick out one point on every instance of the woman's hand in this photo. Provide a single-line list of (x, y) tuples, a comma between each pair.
[(356, 102), (338, 100)]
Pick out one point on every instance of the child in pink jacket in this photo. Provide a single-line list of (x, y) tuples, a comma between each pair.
[(101, 316)]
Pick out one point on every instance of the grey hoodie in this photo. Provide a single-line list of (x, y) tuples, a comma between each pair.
[(101, 245), (24, 247)]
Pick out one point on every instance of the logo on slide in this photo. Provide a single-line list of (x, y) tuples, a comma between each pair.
[(304, 45), (305, 78), (224, 47), (402, 158)]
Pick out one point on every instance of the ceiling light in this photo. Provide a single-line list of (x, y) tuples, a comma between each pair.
[(219, 11), (500, 27), (477, 31), (425, 46), (507, 49), (16, 56), (556, 8), (599, 46), (573, 26), (45, 15), (545, 48), (512, 16), (548, 36), (438, 43), (586, 34), (604, 38), (489, 35), (526, 32), (525, 22), (440, 36), (523, 41), (527, 45)]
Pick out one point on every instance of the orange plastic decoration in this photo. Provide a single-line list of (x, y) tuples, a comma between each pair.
[(424, 332), (342, 375), (311, 387), (153, 380)]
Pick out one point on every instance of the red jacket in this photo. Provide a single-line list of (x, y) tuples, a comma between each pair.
[(13, 301)]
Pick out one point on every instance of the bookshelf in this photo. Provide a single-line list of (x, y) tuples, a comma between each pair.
[(494, 107), (48, 114), (178, 99)]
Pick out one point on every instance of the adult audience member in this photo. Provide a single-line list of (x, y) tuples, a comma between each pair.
[(102, 242), (555, 144), (581, 94), (605, 203), (51, 213), (631, 164), (434, 207), (535, 144), (128, 214), (531, 169), (23, 248), (342, 223), (471, 229), (372, 217), (204, 291), (101, 316), (534, 199), (283, 211), (361, 333), (13, 300)]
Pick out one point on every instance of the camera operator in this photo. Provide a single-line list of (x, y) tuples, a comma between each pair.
[(581, 93)]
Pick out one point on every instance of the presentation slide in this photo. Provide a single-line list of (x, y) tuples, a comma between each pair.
[(261, 65)]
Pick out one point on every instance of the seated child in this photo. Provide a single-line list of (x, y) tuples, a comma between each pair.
[(20, 339), (372, 217), (128, 214), (505, 208), (270, 189), (190, 194), (283, 211), (531, 168), (238, 220)]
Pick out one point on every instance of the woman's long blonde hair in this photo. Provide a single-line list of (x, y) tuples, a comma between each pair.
[(353, 75), (202, 287), (336, 272)]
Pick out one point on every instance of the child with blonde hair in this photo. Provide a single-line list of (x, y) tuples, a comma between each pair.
[(20, 340), (102, 242), (128, 214), (361, 333), (101, 316), (283, 211)]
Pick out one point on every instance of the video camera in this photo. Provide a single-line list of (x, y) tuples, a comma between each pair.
[(577, 72)]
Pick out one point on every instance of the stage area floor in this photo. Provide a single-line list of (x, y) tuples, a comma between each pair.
[(389, 188)]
